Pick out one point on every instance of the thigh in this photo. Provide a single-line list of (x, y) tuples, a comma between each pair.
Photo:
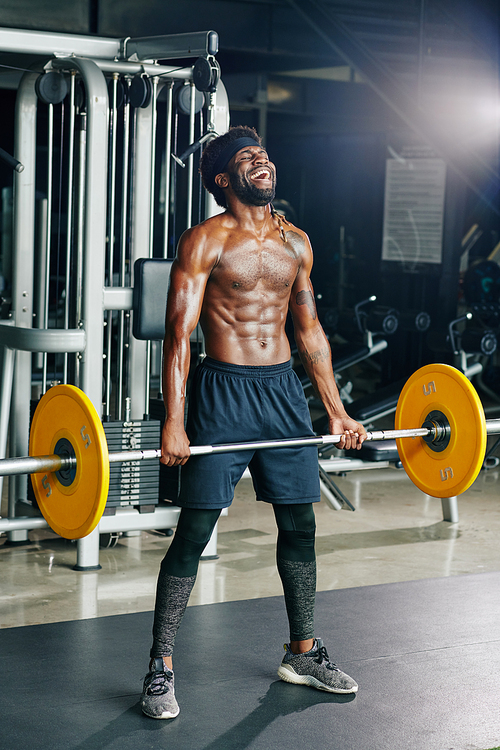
[(209, 481), (286, 475)]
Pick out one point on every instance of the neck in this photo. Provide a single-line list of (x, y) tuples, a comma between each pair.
[(245, 214)]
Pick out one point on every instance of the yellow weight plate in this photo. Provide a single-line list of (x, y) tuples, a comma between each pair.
[(65, 412), (451, 471)]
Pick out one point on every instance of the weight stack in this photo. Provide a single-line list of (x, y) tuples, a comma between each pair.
[(133, 482)]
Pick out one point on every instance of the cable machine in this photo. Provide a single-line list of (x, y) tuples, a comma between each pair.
[(106, 138)]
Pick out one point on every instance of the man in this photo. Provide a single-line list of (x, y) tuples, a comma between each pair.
[(239, 273)]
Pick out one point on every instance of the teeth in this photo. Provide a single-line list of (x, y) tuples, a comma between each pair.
[(259, 173)]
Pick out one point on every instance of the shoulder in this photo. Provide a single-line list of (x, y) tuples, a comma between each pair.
[(208, 232), (291, 231), (296, 240), (289, 227), (203, 242)]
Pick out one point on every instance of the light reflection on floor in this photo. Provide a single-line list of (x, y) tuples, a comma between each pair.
[(395, 534)]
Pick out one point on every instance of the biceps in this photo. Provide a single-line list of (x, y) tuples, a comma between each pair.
[(302, 304), (184, 302), (305, 298)]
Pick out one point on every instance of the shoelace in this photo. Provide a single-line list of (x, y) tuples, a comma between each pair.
[(323, 656), (156, 684)]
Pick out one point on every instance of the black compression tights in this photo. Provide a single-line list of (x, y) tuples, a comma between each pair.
[(194, 529), (295, 559), (178, 575)]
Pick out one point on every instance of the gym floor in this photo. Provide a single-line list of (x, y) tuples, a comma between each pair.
[(395, 534), (423, 645)]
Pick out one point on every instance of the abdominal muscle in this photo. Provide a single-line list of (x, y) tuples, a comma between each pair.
[(246, 334)]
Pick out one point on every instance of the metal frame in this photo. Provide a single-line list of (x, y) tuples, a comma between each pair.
[(93, 60)]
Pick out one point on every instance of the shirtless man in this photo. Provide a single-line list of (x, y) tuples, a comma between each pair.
[(239, 273)]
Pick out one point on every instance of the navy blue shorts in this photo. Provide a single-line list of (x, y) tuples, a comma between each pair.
[(233, 404)]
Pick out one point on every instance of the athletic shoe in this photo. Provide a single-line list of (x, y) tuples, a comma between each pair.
[(158, 698), (316, 670)]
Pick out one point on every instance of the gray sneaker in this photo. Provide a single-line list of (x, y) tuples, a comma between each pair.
[(316, 670), (158, 698)]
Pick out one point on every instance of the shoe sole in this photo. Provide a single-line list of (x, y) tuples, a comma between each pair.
[(164, 715), (288, 674)]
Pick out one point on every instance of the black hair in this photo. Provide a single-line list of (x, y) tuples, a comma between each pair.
[(212, 152)]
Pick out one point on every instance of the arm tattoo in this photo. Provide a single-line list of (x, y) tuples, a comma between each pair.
[(321, 355), (306, 298)]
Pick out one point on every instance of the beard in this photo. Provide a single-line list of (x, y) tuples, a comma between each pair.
[(250, 194)]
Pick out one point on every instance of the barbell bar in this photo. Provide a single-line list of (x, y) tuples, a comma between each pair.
[(57, 463), (70, 463)]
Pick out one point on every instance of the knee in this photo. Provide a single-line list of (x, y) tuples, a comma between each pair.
[(296, 546), (186, 552)]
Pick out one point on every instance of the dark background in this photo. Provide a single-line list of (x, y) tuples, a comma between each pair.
[(331, 91)]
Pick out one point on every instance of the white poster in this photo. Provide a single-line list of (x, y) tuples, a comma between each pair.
[(414, 210)]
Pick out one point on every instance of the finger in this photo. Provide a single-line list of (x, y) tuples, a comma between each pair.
[(349, 442)]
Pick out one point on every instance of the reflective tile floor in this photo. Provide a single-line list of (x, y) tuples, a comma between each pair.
[(396, 534)]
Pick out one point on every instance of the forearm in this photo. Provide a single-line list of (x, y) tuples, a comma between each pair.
[(176, 362), (315, 354)]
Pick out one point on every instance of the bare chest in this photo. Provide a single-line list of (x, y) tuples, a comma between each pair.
[(269, 266)]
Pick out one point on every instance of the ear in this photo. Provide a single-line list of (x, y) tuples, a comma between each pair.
[(221, 180)]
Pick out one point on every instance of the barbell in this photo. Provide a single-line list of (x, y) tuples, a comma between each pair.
[(70, 463)]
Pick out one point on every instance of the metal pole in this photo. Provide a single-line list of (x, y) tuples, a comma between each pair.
[(40, 272), (123, 258), (69, 221), (50, 150), (111, 242), (190, 158), (94, 251), (23, 275), (168, 147), (7, 360), (154, 120), (80, 233), (140, 212)]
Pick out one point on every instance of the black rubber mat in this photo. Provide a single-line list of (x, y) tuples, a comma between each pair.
[(425, 653)]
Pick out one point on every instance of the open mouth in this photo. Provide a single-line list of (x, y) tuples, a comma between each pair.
[(261, 174)]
